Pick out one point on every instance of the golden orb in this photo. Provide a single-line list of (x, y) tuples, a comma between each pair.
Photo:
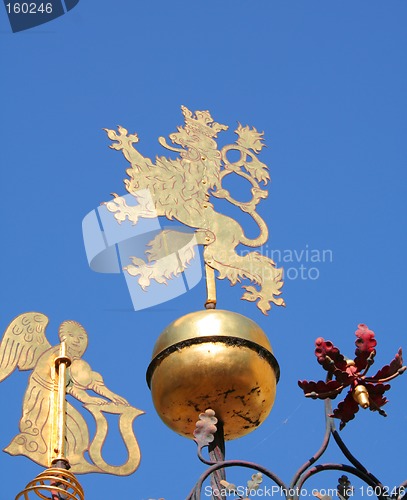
[(213, 359)]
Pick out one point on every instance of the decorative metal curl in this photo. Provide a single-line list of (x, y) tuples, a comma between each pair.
[(57, 482)]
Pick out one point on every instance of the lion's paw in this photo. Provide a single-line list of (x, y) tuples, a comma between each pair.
[(251, 294), (121, 210)]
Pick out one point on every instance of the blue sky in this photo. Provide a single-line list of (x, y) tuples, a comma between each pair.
[(326, 81)]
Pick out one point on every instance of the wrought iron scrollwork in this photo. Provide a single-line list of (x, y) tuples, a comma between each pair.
[(218, 463)]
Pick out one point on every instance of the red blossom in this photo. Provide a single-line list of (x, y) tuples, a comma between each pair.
[(343, 373)]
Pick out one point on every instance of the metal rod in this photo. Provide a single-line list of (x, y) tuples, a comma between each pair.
[(217, 454), (210, 287), (62, 362)]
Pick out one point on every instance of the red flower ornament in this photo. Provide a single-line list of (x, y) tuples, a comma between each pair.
[(364, 391)]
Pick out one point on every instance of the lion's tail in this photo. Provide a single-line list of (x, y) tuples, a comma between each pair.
[(263, 236)]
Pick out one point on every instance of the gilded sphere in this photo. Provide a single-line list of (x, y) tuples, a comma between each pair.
[(213, 359)]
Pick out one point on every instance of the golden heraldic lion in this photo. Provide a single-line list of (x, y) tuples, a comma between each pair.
[(181, 190)]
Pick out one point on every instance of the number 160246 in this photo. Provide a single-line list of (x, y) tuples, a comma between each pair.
[(29, 8)]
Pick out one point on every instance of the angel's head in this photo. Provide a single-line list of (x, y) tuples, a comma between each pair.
[(75, 337)]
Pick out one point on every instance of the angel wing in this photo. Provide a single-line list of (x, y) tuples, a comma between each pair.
[(23, 343)]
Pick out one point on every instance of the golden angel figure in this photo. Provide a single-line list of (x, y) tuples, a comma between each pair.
[(24, 346)]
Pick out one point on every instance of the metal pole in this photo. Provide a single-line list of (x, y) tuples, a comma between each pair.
[(217, 454), (62, 362), (210, 288)]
